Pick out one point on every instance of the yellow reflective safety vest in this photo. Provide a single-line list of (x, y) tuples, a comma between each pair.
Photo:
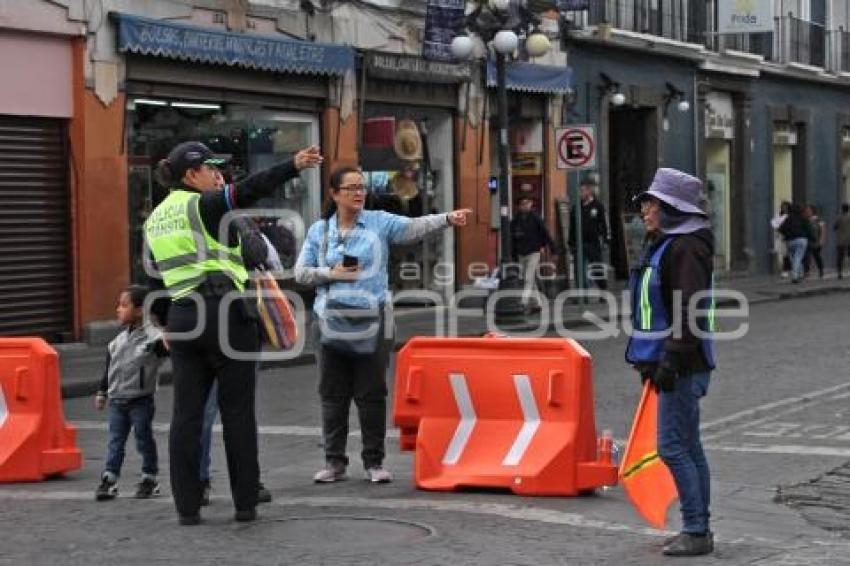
[(183, 249)]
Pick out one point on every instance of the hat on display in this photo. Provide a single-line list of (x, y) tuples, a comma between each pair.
[(680, 190), (379, 132), (404, 184), (407, 143), (191, 155)]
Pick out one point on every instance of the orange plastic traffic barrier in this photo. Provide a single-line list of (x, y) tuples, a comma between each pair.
[(646, 479), (35, 442), (510, 413)]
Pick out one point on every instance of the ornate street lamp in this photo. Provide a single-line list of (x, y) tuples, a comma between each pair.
[(501, 24)]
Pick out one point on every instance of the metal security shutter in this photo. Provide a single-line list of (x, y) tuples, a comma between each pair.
[(35, 279)]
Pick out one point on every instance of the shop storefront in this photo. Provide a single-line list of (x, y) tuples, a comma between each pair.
[(532, 115), (719, 141), (408, 155), (254, 101), (36, 242)]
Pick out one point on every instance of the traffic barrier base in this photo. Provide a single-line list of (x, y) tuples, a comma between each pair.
[(509, 413), (35, 442)]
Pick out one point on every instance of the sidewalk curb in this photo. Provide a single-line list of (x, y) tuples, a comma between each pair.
[(85, 388)]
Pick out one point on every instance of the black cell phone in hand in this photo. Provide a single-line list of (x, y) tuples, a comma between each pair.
[(350, 261)]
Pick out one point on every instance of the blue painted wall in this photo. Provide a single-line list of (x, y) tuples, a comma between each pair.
[(676, 149), (647, 72), (822, 167)]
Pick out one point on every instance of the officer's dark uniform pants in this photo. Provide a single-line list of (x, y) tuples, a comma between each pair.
[(197, 362), (593, 254), (361, 378)]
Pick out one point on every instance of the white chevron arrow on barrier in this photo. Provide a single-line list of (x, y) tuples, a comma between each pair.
[(529, 415), (4, 412), (468, 418)]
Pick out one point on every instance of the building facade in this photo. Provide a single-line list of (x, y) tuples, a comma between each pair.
[(117, 86), (765, 119)]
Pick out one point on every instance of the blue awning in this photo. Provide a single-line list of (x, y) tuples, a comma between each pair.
[(190, 43), (528, 77)]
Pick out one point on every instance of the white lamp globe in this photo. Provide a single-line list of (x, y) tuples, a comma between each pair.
[(684, 106), (462, 47), (505, 41), (537, 44), (618, 99), (500, 5)]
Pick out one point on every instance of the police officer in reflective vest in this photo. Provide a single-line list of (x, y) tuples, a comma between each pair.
[(201, 267), (671, 344)]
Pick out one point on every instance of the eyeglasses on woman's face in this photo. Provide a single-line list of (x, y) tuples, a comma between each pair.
[(353, 188)]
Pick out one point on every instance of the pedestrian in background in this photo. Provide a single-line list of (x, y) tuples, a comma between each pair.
[(128, 386), (783, 261), (594, 231), (817, 235), (796, 231), (530, 240), (842, 238), (677, 265), (199, 270), (345, 257)]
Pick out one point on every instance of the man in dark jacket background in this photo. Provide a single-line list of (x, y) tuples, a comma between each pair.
[(594, 233), (530, 239)]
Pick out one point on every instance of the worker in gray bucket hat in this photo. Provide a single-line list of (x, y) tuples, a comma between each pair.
[(676, 267)]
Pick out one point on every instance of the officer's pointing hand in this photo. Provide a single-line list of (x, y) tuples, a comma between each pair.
[(308, 157), (458, 217)]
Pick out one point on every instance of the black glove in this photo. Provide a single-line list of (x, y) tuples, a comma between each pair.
[(646, 375), (667, 372)]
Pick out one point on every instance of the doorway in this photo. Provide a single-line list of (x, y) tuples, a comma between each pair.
[(718, 169), (783, 175), (633, 145)]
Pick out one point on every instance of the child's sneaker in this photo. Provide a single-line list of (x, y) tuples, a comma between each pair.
[(147, 488), (108, 489)]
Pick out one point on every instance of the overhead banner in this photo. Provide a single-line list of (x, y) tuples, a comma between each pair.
[(174, 40), (443, 21), (744, 16)]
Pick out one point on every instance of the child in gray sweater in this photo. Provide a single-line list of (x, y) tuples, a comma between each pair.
[(129, 383)]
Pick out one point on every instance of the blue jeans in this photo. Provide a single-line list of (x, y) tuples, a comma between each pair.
[(679, 446), (210, 414), (797, 251), (136, 414)]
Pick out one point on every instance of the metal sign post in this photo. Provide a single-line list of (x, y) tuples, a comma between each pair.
[(576, 152)]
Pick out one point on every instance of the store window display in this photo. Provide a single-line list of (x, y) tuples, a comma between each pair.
[(408, 165), (250, 138)]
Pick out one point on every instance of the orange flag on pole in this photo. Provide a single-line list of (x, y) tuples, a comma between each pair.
[(646, 479)]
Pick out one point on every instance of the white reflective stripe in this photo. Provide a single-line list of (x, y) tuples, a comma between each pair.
[(4, 412), (531, 417), (467, 419)]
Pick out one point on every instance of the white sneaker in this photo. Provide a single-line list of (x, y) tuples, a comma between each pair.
[(330, 473), (378, 475)]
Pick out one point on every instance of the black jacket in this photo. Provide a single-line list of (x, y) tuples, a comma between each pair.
[(529, 234), (794, 227), (594, 227), (213, 205), (687, 266)]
